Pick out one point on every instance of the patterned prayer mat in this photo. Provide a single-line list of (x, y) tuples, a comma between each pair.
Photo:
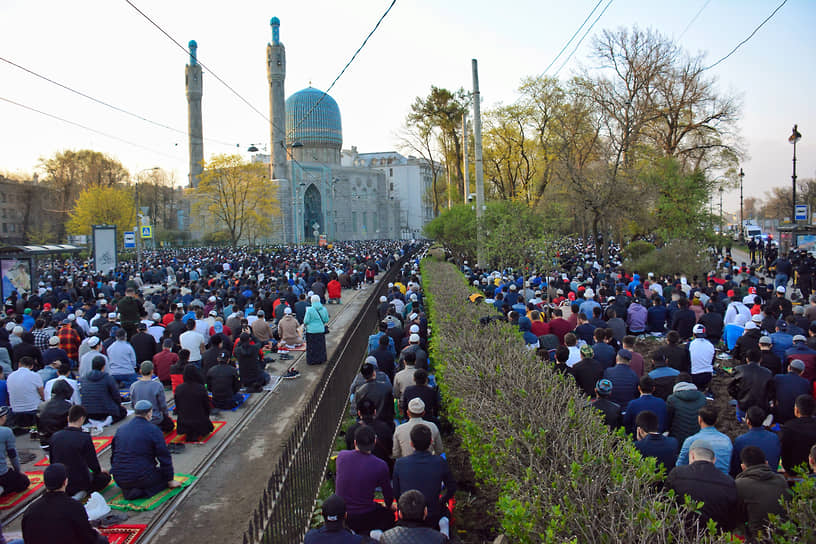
[(175, 438), (123, 534), (99, 442), (140, 505), (13, 499)]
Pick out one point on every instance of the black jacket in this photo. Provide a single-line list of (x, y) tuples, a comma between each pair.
[(56, 517), (193, 404), (383, 398), (677, 357), (752, 385), (797, 437), (587, 372), (702, 481), (53, 415), (745, 343), (145, 346), (222, 381), (611, 411), (74, 449), (248, 356)]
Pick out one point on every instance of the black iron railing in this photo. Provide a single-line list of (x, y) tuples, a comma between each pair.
[(285, 509)]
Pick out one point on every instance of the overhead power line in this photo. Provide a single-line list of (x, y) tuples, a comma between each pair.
[(84, 127), (319, 100), (693, 19), (103, 103), (588, 30), (577, 30), (768, 18), (211, 72)]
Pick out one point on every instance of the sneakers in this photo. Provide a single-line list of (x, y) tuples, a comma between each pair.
[(291, 374)]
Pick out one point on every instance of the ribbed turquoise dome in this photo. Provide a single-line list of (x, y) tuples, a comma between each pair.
[(321, 127)]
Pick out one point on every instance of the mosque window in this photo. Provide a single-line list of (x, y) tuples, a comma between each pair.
[(365, 221), (353, 222), (390, 172), (374, 225)]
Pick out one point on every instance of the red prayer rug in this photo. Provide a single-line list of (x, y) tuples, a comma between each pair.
[(13, 499), (174, 438), (99, 442), (123, 534)]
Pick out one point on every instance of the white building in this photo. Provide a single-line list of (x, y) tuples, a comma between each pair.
[(408, 181)]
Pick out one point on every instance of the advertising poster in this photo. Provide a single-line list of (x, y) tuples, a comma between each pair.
[(104, 248), (16, 276)]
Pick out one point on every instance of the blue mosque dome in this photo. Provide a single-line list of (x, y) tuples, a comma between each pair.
[(321, 128)]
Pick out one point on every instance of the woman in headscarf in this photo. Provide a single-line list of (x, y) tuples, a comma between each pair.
[(193, 406), (314, 323)]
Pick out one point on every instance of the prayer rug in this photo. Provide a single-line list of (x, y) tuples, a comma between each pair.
[(13, 499), (175, 438), (123, 534), (300, 347), (140, 505), (99, 442)]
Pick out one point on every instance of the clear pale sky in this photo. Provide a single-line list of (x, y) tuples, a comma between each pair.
[(106, 49)]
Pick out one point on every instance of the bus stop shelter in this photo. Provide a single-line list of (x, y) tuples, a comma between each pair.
[(18, 265)]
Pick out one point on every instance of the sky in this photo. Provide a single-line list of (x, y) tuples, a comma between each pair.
[(106, 49)]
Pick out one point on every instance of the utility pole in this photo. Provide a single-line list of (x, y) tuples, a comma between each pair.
[(742, 219), (137, 231), (466, 182), (477, 145), (794, 137)]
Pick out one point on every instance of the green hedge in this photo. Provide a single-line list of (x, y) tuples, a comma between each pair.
[(559, 474)]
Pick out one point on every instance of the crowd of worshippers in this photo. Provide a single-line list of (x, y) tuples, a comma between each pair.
[(394, 445), (77, 348), (665, 404)]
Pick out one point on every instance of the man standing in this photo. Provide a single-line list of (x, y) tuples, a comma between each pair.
[(56, 517), (163, 360), (137, 447), (74, 449), (130, 310), (378, 392)]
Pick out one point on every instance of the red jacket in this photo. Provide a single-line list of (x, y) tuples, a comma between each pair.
[(333, 289)]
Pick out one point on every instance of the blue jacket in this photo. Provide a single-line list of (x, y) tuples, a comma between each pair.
[(782, 341), (765, 440), (720, 443), (624, 384), (788, 387), (662, 448), (99, 393), (641, 404), (656, 318), (604, 354), (137, 446), (427, 473), (374, 343)]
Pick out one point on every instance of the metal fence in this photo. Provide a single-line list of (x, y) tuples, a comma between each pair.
[(285, 509)]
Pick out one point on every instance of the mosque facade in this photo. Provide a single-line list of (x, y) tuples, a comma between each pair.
[(322, 189)]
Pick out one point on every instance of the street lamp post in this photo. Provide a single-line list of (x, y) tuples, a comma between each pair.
[(742, 219), (794, 137), (721, 212), (137, 230)]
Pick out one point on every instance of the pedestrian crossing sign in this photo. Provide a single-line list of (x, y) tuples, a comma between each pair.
[(147, 232)]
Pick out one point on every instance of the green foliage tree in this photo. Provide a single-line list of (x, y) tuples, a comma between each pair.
[(234, 195), (455, 228), (111, 205), (68, 173)]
